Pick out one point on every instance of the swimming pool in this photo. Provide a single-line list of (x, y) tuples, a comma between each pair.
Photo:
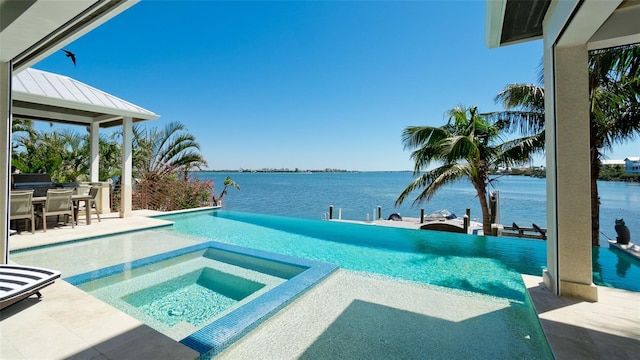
[(486, 265), (489, 265), (477, 267), (207, 295)]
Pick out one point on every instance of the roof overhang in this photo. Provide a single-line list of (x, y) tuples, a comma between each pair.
[(41, 95), (31, 30), (510, 22), (599, 24)]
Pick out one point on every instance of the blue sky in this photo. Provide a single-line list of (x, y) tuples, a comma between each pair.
[(309, 85)]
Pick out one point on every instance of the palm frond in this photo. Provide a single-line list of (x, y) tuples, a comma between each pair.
[(433, 180), (519, 151), (417, 136)]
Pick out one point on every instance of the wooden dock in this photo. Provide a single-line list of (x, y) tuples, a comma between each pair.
[(533, 232)]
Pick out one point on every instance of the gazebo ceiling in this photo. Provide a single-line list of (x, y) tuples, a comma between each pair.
[(41, 95)]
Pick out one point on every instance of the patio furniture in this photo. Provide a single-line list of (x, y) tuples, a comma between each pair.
[(19, 282), (89, 203), (21, 207), (93, 192), (82, 189), (58, 202)]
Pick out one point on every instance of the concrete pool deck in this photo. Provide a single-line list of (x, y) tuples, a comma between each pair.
[(68, 323)]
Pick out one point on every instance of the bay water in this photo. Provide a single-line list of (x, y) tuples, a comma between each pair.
[(356, 196)]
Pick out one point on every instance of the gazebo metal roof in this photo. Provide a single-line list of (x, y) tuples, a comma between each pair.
[(41, 95)]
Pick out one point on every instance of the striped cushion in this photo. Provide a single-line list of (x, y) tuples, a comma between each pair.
[(16, 280)]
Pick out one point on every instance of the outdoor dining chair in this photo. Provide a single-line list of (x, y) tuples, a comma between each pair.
[(22, 207), (93, 192), (91, 203), (58, 203)]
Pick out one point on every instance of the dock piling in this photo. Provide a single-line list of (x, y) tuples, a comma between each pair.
[(466, 220)]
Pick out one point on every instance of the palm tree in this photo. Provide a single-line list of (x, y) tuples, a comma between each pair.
[(39, 152), (614, 83), (159, 152), (468, 146), (22, 125), (110, 156), (227, 183), (524, 104)]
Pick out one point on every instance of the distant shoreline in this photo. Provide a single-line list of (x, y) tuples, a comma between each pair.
[(532, 174), (298, 171)]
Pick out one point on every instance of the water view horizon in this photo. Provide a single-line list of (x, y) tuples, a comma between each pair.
[(356, 195)]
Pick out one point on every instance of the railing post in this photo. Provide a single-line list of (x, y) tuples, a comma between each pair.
[(421, 216), (330, 212), (379, 212)]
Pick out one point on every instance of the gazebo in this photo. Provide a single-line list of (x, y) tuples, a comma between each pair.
[(31, 31), (569, 30), (41, 95)]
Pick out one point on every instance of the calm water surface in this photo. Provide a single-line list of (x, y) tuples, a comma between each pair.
[(308, 195), (522, 200)]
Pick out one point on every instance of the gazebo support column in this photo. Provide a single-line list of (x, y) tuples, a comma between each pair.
[(569, 247), (127, 161), (5, 159), (94, 171)]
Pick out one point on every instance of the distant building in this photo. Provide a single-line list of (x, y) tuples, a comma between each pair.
[(604, 163), (632, 165)]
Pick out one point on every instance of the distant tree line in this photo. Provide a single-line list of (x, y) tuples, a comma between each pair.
[(617, 173), (283, 170)]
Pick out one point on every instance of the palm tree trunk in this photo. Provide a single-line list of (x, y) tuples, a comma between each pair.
[(486, 218), (484, 206)]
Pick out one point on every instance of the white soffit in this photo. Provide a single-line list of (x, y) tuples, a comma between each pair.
[(37, 88), (31, 30), (599, 24), (586, 21), (30, 21), (622, 28), (493, 21)]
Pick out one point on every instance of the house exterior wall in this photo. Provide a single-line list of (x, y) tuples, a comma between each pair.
[(632, 165)]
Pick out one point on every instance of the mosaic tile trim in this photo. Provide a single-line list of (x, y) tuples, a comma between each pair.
[(218, 335)]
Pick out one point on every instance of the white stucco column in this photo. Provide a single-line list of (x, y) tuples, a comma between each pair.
[(127, 162), (550, 275), (569, 248), (5, 158), (94, 170)]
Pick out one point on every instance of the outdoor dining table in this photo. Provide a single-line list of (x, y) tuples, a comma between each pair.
[(75, 198)]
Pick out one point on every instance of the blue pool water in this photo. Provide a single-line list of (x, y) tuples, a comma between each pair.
[(480, 264), (488, 265), (194, 297)]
